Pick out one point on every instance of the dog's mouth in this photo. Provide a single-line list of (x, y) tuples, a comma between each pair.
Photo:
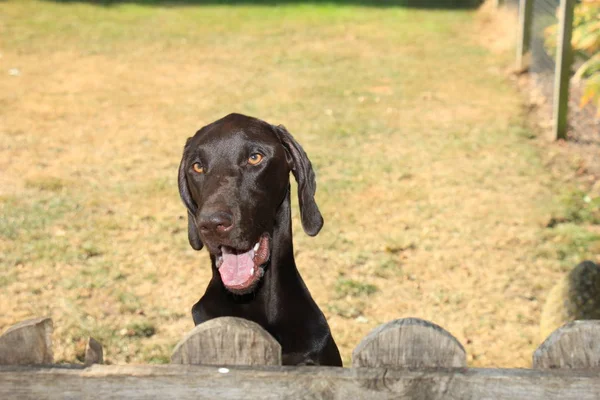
[(241, 270)]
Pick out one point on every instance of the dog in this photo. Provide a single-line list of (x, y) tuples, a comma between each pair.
[(234, 181)]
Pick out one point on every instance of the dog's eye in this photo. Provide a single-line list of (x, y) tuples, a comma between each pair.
[(198, 168), (255, 159)]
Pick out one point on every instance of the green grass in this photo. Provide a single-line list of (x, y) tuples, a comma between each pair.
[(140, 329), (581, 207), (570, 244), (345, 287)]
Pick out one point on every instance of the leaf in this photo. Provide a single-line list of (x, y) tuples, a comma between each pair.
[(588, 68), (591, 92), (586, 28)]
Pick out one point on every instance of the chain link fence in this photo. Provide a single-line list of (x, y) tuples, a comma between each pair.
[(541, 23), (543, 44), (542, 51), (511, 3)]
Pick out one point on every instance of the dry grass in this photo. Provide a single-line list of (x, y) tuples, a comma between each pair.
[(497, 27), (434, 195)]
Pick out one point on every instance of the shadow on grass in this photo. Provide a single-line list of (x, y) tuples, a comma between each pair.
[(429, 4)]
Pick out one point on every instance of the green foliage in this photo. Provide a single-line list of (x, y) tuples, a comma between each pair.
[(586, 27), (569, 243), (580, 207), (350, 298), (350, 287), (585, 41), (570, 238), (140, 329), (589, 73)]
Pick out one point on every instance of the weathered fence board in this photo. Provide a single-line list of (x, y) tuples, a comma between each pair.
[(575, 345), (404, 359), (28, 342), (411, 343), (228, 341), (203, 382)]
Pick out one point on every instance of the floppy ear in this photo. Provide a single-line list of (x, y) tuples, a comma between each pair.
[(191, 206), (312, 221)]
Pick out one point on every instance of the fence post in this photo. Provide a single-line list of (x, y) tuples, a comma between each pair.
[(94, 354), (562, 74), (524, 33), (575, 345), (227, 341), (28, 342), (409, 343)]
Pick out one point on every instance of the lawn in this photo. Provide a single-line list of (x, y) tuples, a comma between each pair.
[(435, 193)]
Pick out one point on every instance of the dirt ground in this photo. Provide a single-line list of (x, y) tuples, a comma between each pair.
[(583, 124), (436, 191)]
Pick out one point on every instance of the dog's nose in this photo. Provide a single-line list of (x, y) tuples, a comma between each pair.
[(219, 222)]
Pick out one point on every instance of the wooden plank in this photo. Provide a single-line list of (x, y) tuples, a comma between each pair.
[(28, 342), (524, 34), (562, 73), (94, 354), (184, 382), (228, 341), (575, 345), (411, 343)]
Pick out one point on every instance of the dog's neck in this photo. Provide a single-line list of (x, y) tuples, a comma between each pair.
[(281, 272), (282, 263)]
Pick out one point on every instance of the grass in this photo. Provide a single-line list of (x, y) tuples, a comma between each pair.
[(435, 193), (581, 207), (345, 287), (570, 244)]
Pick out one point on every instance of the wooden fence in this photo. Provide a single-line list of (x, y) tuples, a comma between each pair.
[(231, 358), (562, 60)]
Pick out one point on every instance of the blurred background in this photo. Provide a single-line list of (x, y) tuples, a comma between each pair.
[(443, 195)]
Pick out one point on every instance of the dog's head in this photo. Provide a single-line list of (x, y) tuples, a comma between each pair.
[(233, 177)]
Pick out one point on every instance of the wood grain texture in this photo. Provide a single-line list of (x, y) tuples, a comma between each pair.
[(228, 341), (105, 382), (409, 343), (94, 354), (575, 345), (28, 342)]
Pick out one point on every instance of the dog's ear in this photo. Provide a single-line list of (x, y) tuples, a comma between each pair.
[(312, 221), (184, 192)]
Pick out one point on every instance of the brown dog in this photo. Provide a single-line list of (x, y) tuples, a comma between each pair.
[(234, 181)]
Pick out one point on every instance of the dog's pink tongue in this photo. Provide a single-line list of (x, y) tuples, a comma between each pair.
[(237, 269)]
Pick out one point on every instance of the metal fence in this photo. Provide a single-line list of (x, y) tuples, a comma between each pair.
[(510, 3), (544, 39), (543, 45), (544, 50)]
